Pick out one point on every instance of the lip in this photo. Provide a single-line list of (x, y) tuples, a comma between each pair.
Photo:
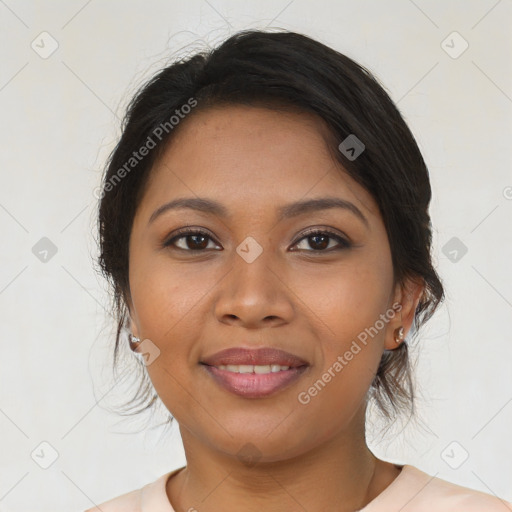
[(258, 356), (254, 385)]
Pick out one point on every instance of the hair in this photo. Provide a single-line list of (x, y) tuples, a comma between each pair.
[(280, 70)]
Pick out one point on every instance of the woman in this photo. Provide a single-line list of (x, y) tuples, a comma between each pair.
[(264, 223)]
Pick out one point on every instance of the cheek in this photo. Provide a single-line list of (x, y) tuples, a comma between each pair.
[(169, 299), (349, 297), (165, 294), (349, 350), (347, 307)]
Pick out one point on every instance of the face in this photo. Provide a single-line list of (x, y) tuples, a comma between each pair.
[(256, 277)]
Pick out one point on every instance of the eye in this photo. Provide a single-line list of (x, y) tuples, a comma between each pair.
[(197, 240), (318, 239), (193, 240)]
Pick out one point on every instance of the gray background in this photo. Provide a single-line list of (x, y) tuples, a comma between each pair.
[(60, 118)]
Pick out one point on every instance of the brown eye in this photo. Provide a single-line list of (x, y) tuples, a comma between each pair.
[(193, 240), (320, 240)]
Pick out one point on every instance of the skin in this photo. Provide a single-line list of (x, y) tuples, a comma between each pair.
[(193, 304)]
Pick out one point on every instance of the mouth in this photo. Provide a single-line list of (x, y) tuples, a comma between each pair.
[(264, 356), (260, 369), (254, 373), (257, 381)]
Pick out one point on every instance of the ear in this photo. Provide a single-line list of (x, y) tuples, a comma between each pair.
[(135, 332), (133, 324), (133, 327), (408, 295)]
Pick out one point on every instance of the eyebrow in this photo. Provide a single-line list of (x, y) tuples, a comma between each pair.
[(284, 212)]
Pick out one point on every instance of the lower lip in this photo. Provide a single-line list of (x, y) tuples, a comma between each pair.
[(255, 385)]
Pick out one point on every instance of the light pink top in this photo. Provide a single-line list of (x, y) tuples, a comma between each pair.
[(411, 491)]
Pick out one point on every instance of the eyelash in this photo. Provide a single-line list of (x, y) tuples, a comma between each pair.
[(184, 232)]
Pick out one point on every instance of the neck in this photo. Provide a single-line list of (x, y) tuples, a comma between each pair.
[(339, 475)]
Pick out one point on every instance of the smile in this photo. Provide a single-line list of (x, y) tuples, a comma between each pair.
[(254, 381), (248, 368)]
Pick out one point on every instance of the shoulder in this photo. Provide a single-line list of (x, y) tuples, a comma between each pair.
[(455, 498), (429, 493), (129, 502), (151, 497)]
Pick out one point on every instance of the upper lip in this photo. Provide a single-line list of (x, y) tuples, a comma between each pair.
[(259, 356)]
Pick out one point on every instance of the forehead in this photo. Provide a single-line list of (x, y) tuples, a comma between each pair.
[(251, 158)]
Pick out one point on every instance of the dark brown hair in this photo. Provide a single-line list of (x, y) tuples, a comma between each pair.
[(280, 69)]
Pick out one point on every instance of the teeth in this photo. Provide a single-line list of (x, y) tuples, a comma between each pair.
[(248, 368)]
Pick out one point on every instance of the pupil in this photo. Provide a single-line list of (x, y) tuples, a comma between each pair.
[(201, 246), (324, 244)]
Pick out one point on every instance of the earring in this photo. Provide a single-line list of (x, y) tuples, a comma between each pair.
[(134, 339), (399, 334)]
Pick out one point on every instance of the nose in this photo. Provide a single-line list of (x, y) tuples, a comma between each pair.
[(254, 294)]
